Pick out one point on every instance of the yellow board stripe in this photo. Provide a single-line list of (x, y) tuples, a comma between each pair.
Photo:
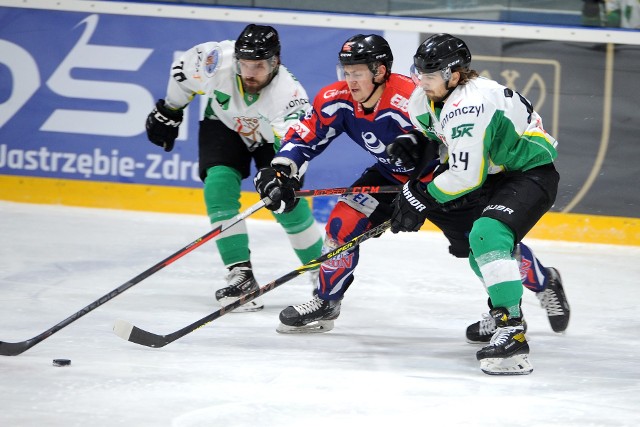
[(553, 226), (109, 195)]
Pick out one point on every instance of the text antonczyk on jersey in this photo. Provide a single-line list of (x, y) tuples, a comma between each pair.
[(97, 163), (469, 109)]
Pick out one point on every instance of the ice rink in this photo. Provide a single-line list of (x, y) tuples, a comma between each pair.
[(397, 355)]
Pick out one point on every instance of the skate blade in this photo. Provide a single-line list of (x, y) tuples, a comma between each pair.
[(251, 306), (317, 327), (484, 343), (514, 365)]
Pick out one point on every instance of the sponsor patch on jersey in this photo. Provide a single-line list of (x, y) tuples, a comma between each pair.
[(332, 93), (301, 130), (248, 127), (297, 102), (212, 62), (400, 102), (467, 109), (372, 142), (197, 65), (462, 130)]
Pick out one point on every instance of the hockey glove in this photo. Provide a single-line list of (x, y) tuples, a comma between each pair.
[(413, 149), (276, 183), (411, 206), (162, 125)]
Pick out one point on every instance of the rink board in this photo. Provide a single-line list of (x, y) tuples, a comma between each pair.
[(553, 226), (72, 115)]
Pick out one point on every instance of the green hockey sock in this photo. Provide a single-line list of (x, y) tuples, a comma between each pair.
[(492, 244), (222, 199)]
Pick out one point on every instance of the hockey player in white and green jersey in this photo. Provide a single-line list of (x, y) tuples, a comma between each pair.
[(495, 152), (622, 13), (252, 101)]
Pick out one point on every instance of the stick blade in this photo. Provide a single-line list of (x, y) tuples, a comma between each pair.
[(14, 348), (123, 329), (129, 332)]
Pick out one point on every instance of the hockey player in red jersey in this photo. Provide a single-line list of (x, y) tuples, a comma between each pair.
[(368, 104)]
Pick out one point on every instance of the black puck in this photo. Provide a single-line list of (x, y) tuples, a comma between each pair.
[(61, 362)]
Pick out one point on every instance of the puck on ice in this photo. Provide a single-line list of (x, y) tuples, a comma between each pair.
[(61, 362)]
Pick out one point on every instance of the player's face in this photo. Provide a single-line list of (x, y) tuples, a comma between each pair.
[(360, 81), (255, 74), (433, 85)]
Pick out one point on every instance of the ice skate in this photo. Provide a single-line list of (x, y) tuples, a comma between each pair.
[(554, 300), (482, 331), (240, 281), (315, 316), (508, 350)]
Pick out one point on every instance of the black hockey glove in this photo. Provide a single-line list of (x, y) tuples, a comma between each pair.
[(410, 207), (413, 149), (276, 183), (162, 125)]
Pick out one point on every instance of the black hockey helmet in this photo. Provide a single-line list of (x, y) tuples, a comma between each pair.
[(367, 49), (257, 42), (441, 52)]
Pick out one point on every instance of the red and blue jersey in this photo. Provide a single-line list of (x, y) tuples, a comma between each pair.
[(335, 112)]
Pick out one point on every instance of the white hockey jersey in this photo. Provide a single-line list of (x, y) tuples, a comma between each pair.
[(485, 128), (623, 13), (208, 69)]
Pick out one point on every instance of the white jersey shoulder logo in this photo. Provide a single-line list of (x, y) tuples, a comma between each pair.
[(213, 61)]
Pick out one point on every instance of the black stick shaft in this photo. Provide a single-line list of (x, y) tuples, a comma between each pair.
[(13, 349), (16, 348), (137, 335)]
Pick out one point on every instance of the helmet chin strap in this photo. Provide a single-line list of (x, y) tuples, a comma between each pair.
[(375, 87)]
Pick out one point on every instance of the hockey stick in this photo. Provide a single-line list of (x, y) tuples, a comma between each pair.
[(129, 332), (15, 348), (336, 191)]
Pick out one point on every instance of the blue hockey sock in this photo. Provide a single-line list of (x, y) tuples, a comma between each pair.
[(532, 272)]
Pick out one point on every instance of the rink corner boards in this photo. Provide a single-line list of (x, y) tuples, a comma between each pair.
[(139, 197)]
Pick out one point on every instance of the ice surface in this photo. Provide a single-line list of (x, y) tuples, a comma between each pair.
[(397, 355)]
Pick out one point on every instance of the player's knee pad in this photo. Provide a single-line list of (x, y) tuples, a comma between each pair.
[(361, 202), (490, 236), (350, 217), (222, 192)]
